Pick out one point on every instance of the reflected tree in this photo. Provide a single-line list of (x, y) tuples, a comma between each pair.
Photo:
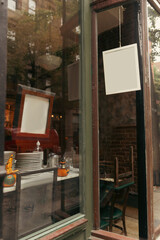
[(31, 36), (154, 32)]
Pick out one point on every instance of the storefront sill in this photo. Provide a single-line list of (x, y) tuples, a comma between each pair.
[(56, 231), (101, 234), (73, 227)]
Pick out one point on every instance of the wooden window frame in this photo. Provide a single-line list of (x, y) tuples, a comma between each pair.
[(144, 123), (152, 232)]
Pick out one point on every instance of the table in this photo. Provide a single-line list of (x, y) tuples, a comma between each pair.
[(42, 178)]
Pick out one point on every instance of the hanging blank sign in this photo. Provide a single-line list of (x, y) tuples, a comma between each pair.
[(121, 69)]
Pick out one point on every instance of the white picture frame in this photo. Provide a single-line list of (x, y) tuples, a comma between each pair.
[(121, 70)]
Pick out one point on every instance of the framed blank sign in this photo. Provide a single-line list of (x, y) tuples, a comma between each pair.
[(121, 70), (33, 112)]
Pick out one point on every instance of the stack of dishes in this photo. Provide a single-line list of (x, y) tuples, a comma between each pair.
[(28, 161), (7, 155)]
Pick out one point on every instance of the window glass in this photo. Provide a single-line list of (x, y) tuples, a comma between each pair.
[(42, 115), (32, 7), (117, 129), (154, 53), (12, 5)]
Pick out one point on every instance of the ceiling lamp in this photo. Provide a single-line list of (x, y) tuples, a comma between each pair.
[(49, 62)]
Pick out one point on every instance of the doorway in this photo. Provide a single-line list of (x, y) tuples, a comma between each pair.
[(117, 113)]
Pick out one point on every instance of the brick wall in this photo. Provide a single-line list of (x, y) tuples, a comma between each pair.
[(119, 140)]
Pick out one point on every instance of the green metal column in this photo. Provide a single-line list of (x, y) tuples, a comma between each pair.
[(87, 114)]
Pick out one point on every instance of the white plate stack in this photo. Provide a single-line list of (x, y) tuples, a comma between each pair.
[(7, 155), (28, 161)]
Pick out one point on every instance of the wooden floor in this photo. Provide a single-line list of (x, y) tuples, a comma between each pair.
[(156, 204), (132, 217), (132, 228), (131, 223)]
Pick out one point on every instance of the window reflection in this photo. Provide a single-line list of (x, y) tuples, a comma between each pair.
[(154, 50), (32, 7), (42, 112), (12, 4)]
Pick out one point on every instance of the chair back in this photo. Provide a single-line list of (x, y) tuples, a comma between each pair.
[(127, 177), (110, 190), (110, 170), (114, 193), (120, 196)]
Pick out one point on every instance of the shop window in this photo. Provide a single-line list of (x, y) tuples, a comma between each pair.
[(32, 7), (42, 117), (12, 5), (154, 61), (117, 128)]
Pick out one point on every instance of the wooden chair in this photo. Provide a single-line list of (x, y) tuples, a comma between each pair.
[(116, 192), (127, 177)]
